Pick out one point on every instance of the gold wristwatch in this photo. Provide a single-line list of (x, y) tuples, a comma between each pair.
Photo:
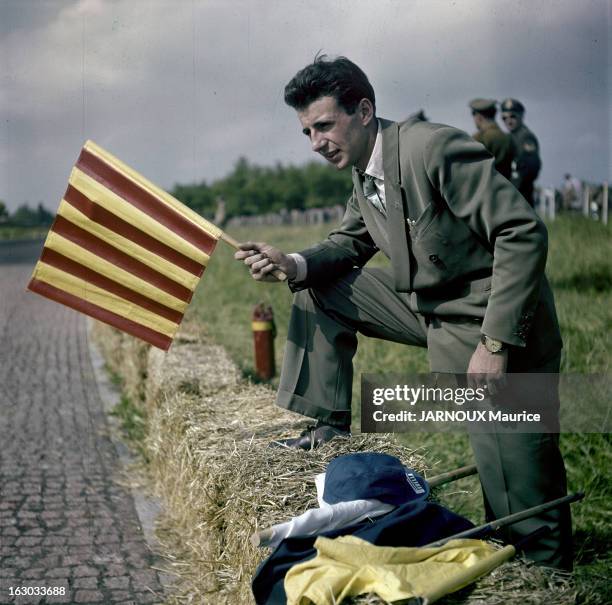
[(492, 344)]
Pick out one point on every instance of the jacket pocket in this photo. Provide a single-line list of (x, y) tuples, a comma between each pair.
[(445, 250), (424, 221)]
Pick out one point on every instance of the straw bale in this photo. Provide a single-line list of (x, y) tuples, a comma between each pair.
[(143, 368), (188, 368), (109, 342), (208, 433), (126, 356), (134, 371), (181, 480)]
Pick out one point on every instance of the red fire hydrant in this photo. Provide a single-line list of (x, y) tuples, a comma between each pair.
[(264, 332)]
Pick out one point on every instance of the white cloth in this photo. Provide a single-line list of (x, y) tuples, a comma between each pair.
[(329, 516)]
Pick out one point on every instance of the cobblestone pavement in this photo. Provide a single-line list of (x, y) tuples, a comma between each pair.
[(66, 526)]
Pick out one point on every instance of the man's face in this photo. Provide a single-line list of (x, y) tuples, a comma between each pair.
[(512, 120), (342, 139)]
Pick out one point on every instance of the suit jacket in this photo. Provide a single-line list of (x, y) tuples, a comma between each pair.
[(461, 239)]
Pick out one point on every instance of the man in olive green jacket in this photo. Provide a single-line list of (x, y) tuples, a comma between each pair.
[(488, 133), (466, 281)]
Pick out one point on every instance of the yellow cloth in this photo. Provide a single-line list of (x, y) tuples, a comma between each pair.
[(348, 566)]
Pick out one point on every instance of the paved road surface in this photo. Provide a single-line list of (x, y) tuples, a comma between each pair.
[(64, 520)]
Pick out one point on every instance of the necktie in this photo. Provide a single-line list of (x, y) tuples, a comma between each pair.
[(371, 193)]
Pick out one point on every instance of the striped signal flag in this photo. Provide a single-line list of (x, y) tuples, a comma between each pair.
[(123, 251)]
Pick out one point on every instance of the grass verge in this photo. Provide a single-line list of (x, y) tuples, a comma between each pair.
[(133, 423)]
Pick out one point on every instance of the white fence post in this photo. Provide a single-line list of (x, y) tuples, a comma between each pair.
[(546, 203), (551, 204), (586, 200)]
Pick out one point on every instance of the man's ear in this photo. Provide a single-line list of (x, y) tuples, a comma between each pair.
[(366, 111)]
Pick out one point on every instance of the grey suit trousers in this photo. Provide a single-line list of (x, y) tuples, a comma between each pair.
[(516, 470)]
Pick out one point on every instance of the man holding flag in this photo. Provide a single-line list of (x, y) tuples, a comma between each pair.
[(466, 281)]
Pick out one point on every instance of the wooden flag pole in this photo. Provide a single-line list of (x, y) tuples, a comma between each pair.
[(488, 528), (464, 471), (234, 244)]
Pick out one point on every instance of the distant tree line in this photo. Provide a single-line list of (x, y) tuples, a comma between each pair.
[(250, 189), (247, 190), (24, 216)]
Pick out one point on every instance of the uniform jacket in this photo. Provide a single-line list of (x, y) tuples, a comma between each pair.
[(461, 239), (501, 145), (528, 162)]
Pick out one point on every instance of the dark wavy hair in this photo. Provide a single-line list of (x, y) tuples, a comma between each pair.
[(338, 78)]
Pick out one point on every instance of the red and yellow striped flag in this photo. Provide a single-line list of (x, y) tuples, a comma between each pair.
[(122, 250)]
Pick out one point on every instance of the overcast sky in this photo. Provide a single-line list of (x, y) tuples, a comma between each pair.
[(179, 89)]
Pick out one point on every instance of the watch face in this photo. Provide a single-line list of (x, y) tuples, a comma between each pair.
[(492, 345)]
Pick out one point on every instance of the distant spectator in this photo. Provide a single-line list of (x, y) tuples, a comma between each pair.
[(499, 144), (528, 163), (572, 193), (220, 213)]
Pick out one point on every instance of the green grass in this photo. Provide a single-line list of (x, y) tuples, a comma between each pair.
[(580, 271), (133, 422)]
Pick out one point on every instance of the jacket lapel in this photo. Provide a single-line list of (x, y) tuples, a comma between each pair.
[(358, 186), (396, 213)]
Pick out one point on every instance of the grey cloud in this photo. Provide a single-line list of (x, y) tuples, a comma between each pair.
[(181, 89)]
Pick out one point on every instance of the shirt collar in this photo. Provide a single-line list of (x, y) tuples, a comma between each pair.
[(375, 164)]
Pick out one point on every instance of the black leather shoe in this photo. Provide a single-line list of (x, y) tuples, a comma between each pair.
[(312, 437)]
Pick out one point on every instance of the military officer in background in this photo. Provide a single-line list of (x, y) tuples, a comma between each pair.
[(527, 164), (498, 143)]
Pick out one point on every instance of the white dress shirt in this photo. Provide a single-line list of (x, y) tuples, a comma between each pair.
[(375, 167)]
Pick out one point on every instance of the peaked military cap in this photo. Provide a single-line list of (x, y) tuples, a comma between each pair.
[(512, 105), (483, 104)]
